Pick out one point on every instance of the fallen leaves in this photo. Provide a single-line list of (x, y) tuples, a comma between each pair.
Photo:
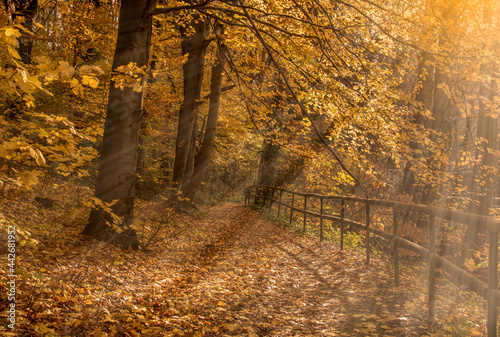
[(230, 272)]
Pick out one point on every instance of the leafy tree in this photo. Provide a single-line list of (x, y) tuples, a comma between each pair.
[(203, 155), (194, 44), (117, 167)]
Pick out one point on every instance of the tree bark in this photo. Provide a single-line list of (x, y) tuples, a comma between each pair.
[(193, 70), (27, 10), (485, 171), (188, 172), (203, 156), (117, 167), (267, 168)]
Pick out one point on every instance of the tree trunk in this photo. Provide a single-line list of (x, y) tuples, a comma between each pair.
[(434, 99), (27, 10), (267, 168), (485, 170), (188, 172), (117, 167), (203, 156), (194, 46)]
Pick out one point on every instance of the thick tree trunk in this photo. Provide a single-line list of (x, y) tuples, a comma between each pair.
[(193, 45), (117, 168), (203, 156)]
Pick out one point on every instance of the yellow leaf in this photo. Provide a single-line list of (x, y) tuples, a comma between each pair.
[(470, 264), (28, 180), (230, 327), (78, 90), (24, 76), (74, 82), (39, 25), (85, 80), (12, 32), (64, 8), (40, 160), (93, 82), (66, 70), (32, 152)]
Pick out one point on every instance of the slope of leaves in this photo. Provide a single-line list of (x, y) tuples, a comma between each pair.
[(225, 272)]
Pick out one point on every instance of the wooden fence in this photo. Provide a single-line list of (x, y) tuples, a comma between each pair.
[(488, 291)]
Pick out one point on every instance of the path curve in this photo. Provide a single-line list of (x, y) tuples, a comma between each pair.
[(254, 278)]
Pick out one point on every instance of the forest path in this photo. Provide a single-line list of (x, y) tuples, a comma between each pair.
[(227, 271), (252, 277)]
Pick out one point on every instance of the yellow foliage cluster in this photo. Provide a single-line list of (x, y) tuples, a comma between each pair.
[(33, 142)]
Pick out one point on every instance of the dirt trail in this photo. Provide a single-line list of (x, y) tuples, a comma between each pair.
[(227, 272), (251, 277)]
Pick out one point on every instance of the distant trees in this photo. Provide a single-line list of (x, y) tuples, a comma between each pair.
[(194, 44), (202, 157), (435, 111)]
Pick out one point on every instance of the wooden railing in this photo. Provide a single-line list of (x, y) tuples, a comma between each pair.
[(488, 291)]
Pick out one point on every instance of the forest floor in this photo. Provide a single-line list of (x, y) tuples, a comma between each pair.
[(228, 271)]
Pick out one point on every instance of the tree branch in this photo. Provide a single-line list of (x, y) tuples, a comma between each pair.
[(299, 103), (167, 10)]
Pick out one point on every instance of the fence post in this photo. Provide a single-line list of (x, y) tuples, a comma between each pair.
[(321, 221), (368, 246), (291, 208), (492, 284), (305, 209), (279, 205), (432, 267), (395, 233), (342, 206)]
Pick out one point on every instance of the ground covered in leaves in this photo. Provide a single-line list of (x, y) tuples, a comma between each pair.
[(228, 271)]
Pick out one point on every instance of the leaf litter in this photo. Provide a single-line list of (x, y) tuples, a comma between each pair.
[(229, 272)]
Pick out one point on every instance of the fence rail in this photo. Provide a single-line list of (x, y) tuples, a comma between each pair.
[(488, 291)]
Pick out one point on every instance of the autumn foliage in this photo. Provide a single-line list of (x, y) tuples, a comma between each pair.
[(124, 120)]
